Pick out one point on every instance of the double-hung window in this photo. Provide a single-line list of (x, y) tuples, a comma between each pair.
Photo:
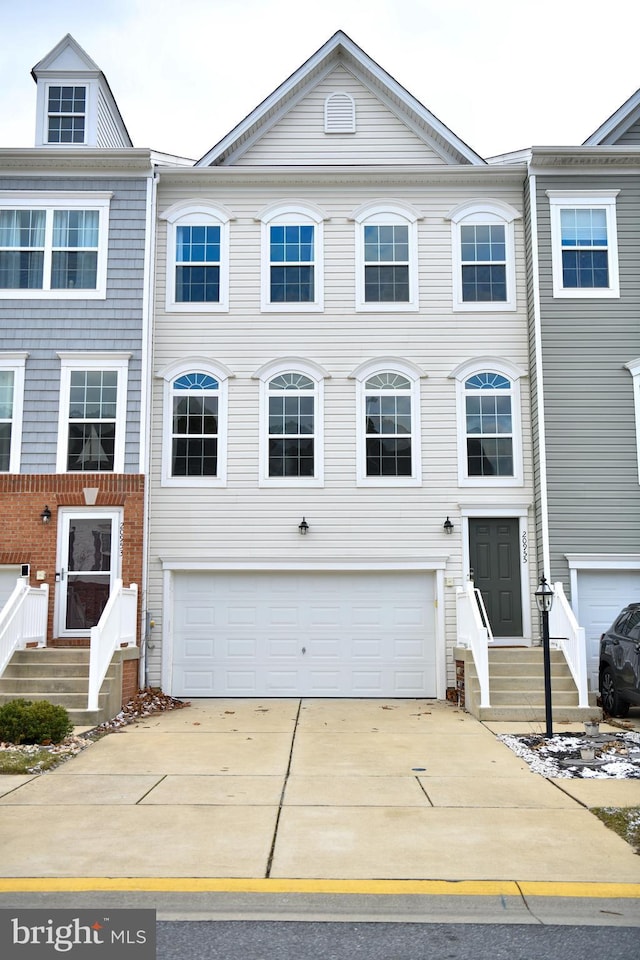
[(386, 257), (197, 257), (11, 394), (483, 256), (66, 113), (489, 424), (53, 248), (388, 437), (584, 246), (292, 429), (195, 423), (93, 396), (292, 266)]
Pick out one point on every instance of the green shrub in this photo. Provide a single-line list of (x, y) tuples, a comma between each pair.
[(38, 721)]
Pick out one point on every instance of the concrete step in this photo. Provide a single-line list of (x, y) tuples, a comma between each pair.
[(523, 655), (526, 669), (529, 683), (52, 655), (516, 698), (61, 676), (529, 714), (18, 685), (70, 701)]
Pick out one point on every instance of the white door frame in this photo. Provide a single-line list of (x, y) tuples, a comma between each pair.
[(65, 516), (521, 513)]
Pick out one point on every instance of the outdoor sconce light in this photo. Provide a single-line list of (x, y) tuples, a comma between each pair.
[(45, 516), (447, 526), (544, 599), (303, 527)]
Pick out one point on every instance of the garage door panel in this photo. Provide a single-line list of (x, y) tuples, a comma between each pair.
[(239, 647), (355, 629), (601, 596)]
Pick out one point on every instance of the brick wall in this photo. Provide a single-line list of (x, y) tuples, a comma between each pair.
[(25, 539)]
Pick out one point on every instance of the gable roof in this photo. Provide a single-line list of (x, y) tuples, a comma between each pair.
[(68, 59), (341, 49), (617, 124)]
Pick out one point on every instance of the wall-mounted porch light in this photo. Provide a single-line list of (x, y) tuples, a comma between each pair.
[(447, 526), (45, 516), (303, 527)]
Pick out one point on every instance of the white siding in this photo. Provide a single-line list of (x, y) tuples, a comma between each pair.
[(389, 525), (299, 137)]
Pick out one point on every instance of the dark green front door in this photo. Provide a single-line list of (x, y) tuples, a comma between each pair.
[(494, 555)]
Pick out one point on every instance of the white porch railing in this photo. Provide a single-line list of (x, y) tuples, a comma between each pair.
[(116, 628), (23, 620), (565, 634), (474, 633)]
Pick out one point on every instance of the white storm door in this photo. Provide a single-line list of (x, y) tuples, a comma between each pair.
[(88, 564)]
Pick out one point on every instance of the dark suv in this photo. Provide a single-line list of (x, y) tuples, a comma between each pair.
[(620, 663)]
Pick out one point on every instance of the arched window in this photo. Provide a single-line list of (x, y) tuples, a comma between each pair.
[(291, 434), (291, 426), (483, 255), (489, 425), (388, 423), (197, 257), (195, 424), (489, 433)]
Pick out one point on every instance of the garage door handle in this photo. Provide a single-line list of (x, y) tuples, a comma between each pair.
[(304, 649)]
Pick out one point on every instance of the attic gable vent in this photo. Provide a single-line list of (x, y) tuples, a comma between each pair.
[(339, 113)]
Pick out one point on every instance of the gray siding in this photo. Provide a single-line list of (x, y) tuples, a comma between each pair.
[(594, 494), (45, 327), (632, 136)]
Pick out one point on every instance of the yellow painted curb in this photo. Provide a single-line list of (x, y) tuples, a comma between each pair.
[(451, 888)]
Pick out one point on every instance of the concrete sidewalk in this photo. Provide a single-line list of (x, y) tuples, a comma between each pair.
[(315, 792)]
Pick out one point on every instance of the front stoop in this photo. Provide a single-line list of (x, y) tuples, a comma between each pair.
[(516, 686), (61, 676)]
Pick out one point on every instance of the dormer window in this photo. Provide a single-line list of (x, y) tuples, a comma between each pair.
[(66, 114)]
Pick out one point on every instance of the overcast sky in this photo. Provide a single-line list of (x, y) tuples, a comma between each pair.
[(502, 74)]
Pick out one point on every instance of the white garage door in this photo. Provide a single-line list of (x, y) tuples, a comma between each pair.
[(314, 634), (601, 596)]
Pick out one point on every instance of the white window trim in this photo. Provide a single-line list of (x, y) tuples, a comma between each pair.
[(292, 213), (634, 369), (16, 363), (170, 373), (318, 375), (595, 200), (361, 374), (383, 213), (484, 212), (90, 112), (197, 213), (71, 361), (514, 374), (62, 200)]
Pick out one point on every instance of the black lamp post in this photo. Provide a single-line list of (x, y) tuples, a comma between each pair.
[(544, 599)]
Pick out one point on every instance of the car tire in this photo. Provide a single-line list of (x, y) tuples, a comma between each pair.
[(612, 703)]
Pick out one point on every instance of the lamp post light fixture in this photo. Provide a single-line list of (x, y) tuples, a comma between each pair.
[(303, 527), (544, 599), (447, 526), (45, 516)]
